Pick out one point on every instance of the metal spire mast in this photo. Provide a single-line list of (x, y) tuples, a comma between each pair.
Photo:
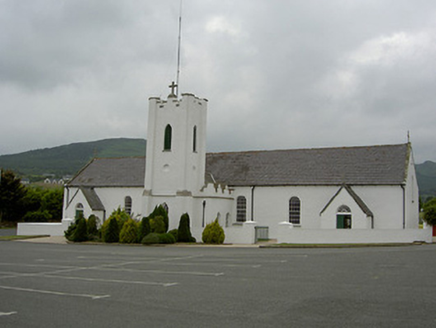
[(178, 49)]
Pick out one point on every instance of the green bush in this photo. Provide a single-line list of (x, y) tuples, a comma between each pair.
[(158, 238), (430, 214), (185, 235), (157, 224), (151, 238), (37, 216), (160, 211), (213, 233), (166, 238), (129, 232), (81, 232), (121, 216), (111, 230), (175, 233), (93, 222), (70, 231), (144, 227)]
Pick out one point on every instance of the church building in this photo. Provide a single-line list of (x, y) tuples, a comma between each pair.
[(325, 195)]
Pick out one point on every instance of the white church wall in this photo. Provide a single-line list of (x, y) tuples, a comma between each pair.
[(385, 202), (112, 198), (271, 205), (412, 197), (73, 197), (181, 167), (359, 220)]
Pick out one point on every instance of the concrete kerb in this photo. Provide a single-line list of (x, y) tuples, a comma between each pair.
[(63, 240)]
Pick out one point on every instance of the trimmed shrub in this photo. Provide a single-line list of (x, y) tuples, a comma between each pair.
[(121, 216), (157, 224), (144, 227), (80, 232), (213, 233), (70, 231), (175, 233), (160, 211), (111, 230), (166, 238), (129, 232), (151, 238), (92, 225), (184, 230)]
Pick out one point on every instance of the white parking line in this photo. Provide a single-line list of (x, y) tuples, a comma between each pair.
[(7, 313), (50, 292), (190, 273), (163, 284)]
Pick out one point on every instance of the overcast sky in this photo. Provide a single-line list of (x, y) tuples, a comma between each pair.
[(277, 74)]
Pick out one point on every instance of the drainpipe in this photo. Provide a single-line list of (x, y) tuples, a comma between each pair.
[(252, 203), (204, 212), (404, 206)]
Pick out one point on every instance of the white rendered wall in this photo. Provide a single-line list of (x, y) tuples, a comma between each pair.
[(42, 228), (181, 168), (352, 236), (112, 198), (271, 206)]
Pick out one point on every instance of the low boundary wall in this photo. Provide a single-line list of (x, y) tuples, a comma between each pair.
[(42, 228), (352, 236)]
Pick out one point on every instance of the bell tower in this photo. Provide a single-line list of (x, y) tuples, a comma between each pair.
[(176, 152)]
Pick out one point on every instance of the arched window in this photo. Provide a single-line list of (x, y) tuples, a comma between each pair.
[(241, 209), (166, 208), (344, 209), (128, 205), (227, 219), (294, 210), (168, 136), (194, 139), (79, 210)]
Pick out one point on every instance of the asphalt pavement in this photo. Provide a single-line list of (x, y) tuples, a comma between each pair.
[(53, 285)]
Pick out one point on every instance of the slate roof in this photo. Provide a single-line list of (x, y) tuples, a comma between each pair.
[(111, 172), (372, 165), (92, 198)]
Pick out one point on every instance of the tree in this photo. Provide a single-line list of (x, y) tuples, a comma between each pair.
[(12, 193), (430, 212), (52, 201), (129, 232), (111, 230), (184, 232), (160, 211), (144, 228)]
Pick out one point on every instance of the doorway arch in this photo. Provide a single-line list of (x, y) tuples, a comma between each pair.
[(343, 217)]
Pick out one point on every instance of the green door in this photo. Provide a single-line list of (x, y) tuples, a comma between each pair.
[(340, 221)]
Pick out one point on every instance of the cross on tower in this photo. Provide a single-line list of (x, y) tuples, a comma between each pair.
[(172, 86)]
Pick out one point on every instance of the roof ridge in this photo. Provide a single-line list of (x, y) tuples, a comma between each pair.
[(308, 149)]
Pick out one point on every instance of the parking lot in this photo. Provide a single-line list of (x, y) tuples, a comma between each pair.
[(47, 285)]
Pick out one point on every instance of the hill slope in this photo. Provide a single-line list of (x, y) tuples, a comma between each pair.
[(426, 176), (68, 159)]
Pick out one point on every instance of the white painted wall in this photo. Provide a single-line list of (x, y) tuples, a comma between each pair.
[(112, 198), (42, 228), (352, 236)]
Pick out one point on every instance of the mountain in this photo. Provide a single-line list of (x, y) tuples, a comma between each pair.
[(426, 176), (69, 159)]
